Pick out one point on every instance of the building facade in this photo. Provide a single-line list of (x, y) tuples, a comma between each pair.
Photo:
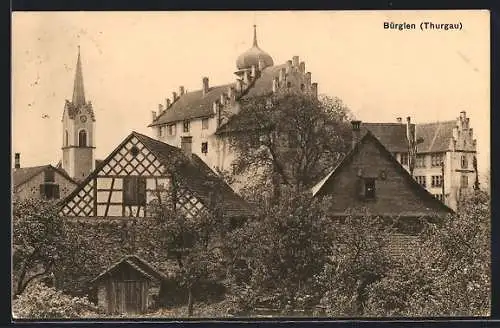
[(78, 128), (441, 156), (191, 120), (43, 182)]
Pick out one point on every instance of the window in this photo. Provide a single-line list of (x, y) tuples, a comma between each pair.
[(82, 138), (134, 191), (404, 158), (438, 196), (420, 161), (437, 181), (464, 181), (49, 176), (204, 147), (464, 162), (49, 191), (369, 188), (204, 124), (186, 126), (421, 180), (66, 138), (171, 130), (436, 159)]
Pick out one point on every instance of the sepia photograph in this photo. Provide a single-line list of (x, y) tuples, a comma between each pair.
[(250, 164)]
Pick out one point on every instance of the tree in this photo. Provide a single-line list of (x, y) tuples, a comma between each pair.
[(297, 137), (37, 240), (449, 275), (359, 259), (278, 257)]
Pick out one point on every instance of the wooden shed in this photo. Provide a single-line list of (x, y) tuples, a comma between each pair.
[(128, 286)]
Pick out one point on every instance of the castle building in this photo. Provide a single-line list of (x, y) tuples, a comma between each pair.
[(78, 131), (192, 120), (441, 156)]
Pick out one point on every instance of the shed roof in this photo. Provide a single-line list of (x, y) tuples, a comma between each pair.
[(138, 264)]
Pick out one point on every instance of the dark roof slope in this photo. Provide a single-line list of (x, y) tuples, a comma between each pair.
[(24, 174), (391, 135), (264, 84), (436, 136), (422, 192), (138, 264), (192, 105)]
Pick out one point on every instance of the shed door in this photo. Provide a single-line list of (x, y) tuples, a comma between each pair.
[(130, 296)]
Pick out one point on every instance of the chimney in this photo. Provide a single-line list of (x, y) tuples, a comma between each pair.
[(308, 78), (174, 97), (314, 89), (410, 130), (261, 64), (205, 85), (302, 67), (463, 114), (17, 161), (223, 98), (167, 103), (181, 90), (282, 75), (400, 120), (186, 146), (295, 61), (356, 132), (288, 66), (153, 113), (275, 84)]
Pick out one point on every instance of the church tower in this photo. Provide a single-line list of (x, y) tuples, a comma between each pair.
[(78, 141)]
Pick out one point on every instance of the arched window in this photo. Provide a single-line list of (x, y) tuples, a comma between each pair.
[(66, 138), (82, 138)]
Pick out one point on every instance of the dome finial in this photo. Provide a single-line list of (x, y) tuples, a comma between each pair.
[(255, 35)]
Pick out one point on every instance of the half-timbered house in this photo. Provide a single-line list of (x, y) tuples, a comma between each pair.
[(142, 171)]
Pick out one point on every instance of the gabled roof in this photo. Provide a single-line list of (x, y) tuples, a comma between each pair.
[(391, 135), (22, 175), (422, 192), (194, 173), (192, 105), (139, 264), (436, 136)]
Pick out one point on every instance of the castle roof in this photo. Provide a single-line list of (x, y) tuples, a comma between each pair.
[(436, 136), (252, 56), (192, 105), (391, 135)]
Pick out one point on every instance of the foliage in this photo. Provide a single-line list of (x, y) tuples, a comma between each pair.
[(296, 136), (359, 259), (449, 275), (277, 257), (41, 302)]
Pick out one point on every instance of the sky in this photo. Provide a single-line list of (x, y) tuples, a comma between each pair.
[(132, 61)]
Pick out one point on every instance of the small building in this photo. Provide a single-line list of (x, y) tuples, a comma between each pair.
[(128, 286), (44, 182), (371, 178)]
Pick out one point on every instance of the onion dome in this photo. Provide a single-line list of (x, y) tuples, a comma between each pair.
[(253, 55)]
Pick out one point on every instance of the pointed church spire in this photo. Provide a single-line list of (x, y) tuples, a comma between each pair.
[(78, 91), (255, 36)]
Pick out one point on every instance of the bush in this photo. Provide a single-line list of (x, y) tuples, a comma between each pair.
[(41, 302)]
